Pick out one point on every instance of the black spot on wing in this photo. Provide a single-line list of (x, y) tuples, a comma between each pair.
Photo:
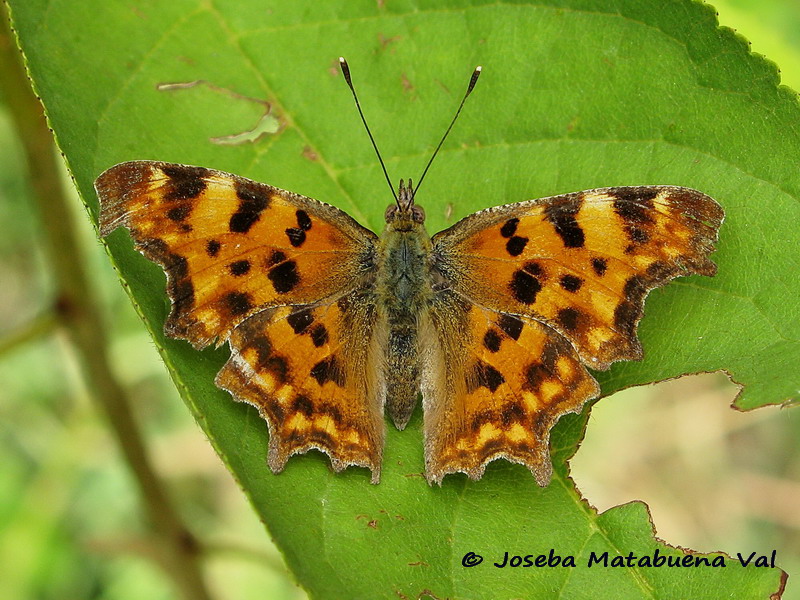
[(629, 311), (511, 413), (301, 404), (543, 369), (534, 268), (635, 205), (331, 410), (562, 216), (535, 374), (296, 236), (183, 183), (253, 199), (571, 283), (179, 213), (239, 268), (492, 341), (319, 335), (303, 220), (277, 366), (637, 235), (480, 418), (509, 228), (284, 276), (524, 286), (238, 303), (276, 257), (516, 245), (262, 346), (212, 248), (511, 325), (328, 370), (485, 375), (600, 265), (299, 320), (568, 318)]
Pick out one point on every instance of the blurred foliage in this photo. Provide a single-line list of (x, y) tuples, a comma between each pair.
[(69, 524)]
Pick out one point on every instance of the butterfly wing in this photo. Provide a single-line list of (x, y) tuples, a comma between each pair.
[(582, 263), (574, 269), (284, 278), (314, 380), (495, 385), (231, 246)]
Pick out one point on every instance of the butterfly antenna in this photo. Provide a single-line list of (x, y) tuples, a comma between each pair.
[(472, 81), (346, 72)]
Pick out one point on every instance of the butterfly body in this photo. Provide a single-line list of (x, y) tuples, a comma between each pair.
[(494, 320), (404, 291)]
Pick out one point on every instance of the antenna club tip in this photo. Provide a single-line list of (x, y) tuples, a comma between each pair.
[(478, 69), (346, 72)]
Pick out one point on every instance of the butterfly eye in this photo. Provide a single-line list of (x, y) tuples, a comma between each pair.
[(390, 212), (418, 214)]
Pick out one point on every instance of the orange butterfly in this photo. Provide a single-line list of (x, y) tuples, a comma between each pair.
[(494, 319)]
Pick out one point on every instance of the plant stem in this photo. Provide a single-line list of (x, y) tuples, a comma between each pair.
[(38, 326), (77, 313)]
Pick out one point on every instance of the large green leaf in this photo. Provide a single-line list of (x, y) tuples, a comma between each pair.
[(575, 94)]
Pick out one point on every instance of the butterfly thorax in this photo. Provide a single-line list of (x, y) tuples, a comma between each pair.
[(404, 289)]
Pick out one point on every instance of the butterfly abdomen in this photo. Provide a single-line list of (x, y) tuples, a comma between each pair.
[(404, 289)]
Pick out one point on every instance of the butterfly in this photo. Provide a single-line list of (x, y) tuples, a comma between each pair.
[(330, 326)]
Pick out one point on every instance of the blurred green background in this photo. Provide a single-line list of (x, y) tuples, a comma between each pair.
[(70, 524)]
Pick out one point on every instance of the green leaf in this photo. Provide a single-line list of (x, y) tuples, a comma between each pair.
[(574, 94)]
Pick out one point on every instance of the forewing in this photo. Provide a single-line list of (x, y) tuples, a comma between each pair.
[(312, 374), (582, 263), (231, 246), (495, 385)]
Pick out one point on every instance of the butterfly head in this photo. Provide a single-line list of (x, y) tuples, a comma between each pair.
[(404, 214)]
